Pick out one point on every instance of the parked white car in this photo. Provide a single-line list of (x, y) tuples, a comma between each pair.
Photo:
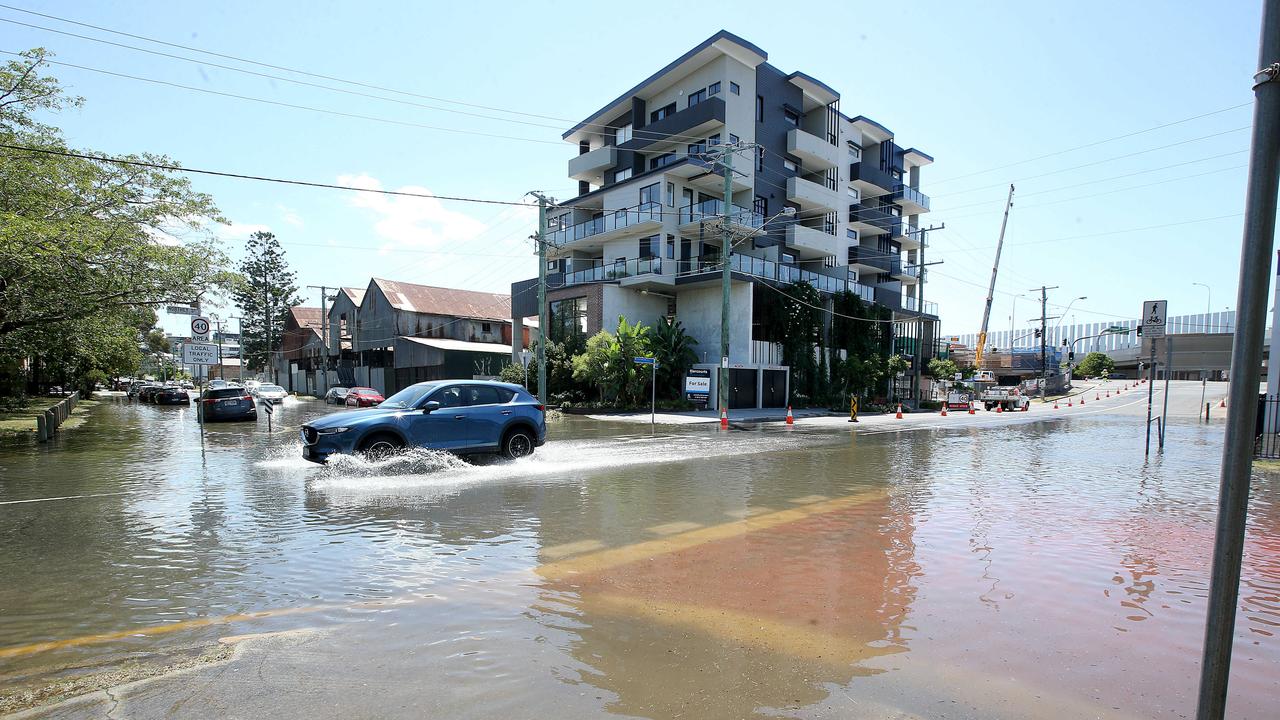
[(252, 386), (271, 393)]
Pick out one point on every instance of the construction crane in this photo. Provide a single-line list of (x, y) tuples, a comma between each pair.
[(991, 290)]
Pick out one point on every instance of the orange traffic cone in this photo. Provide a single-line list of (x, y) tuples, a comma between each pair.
[(1082, 399), (1069, 402), (724, 418), (944, 409), (1055, 404), (1096, 397), (899, 411), (790, 420), (1222, 403), (999, 409), (970, 407)]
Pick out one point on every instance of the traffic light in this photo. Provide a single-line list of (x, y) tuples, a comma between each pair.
[(1037, 333), (1139, 331)]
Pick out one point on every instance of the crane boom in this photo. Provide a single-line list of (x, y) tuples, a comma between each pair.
[(991, 290)]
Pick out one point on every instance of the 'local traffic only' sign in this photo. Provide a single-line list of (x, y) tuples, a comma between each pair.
[(1153, 317), (200, 328), (199, 354)]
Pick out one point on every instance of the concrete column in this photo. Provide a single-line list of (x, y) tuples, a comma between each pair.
[(42, 428), (759, 388)]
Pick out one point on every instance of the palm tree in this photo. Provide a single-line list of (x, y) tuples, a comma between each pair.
[(673, 349)]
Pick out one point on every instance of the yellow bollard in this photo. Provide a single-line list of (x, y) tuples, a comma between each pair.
[(853, 408)]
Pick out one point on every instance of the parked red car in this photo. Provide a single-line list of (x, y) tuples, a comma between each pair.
[(363, 397)]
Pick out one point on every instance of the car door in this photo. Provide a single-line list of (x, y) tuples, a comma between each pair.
[(486, 416), (446, 428)]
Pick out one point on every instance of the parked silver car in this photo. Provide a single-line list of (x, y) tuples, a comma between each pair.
[(271, 393), (336, 396)]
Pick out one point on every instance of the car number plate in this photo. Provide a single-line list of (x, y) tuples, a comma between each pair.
[(230, 402)]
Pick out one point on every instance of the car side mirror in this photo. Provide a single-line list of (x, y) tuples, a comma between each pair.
[(430, 407)]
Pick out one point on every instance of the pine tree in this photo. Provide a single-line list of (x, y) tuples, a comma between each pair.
[(266, 291)]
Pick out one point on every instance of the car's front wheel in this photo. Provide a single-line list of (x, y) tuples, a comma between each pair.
[(517, 444), (381, 447)]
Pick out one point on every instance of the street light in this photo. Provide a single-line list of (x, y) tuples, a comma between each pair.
[(1208, 301), (1013, 314)]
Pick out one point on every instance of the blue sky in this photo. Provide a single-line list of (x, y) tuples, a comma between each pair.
[(979, 86)]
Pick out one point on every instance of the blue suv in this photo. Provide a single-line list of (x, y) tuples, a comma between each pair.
[(459, 416)]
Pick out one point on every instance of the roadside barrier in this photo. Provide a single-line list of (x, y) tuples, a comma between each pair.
[(48, 421), (899, 411), (790, 420)]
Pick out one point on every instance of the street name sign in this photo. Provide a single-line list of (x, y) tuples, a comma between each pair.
[(199, 354), (1153, 317), (200, 328), (645, 361)]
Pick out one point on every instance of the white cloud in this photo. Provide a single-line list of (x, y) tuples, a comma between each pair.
[(421, 223), (239, 231), (290, 215)]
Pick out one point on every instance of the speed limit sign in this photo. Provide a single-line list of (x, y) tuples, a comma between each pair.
[(200, 329)]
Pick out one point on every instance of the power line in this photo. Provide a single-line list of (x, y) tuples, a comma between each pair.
[(1094, 144)]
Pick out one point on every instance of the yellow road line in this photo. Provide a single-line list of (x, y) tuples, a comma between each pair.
[(573, 548), (672, 528), (19, 650), (808, 499), (748, 512), (613, 557)]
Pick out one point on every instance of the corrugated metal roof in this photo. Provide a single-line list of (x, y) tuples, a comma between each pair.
[(459, 345), (307, 317), (356, 294), (445, 301)]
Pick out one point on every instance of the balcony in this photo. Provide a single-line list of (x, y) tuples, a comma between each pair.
[(700, 269), (908, 274), (879, 181), (913, 201), (810, 243), (711, 213), (640, 219), (870, 219), (869, 259), (810, 195), (910, 304), (911, 238), (592, 166), (616, 271), (817, 154), (698, 121)]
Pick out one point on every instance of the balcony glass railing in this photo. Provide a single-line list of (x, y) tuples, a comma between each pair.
[(907, 192), (910, 304), (615, 271), (769, 270), (714, 209), (616, 220)]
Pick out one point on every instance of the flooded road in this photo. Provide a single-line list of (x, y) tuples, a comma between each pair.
[(1034, 570)]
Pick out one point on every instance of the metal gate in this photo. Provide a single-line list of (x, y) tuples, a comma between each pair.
[(775, 389), (742, 388)]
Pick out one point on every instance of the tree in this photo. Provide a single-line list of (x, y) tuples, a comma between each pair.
[(673, 349), (265, 291), (157, 342), (608, 363), (85, 241), (940, 369), (1095, 364)]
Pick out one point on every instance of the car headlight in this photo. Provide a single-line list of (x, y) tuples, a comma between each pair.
[(332, 431)]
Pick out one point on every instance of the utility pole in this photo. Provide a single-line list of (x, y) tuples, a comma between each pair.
[(1044, 338), (918, 363), (543, 321), (725, 245), (1246, 353), (266, 315), (324, 330)]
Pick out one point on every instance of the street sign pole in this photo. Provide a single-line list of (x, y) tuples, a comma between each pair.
[(1154, 313), (653, 390), (1168, 370)]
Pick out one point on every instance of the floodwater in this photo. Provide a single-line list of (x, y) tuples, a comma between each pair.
[(1036, 570)]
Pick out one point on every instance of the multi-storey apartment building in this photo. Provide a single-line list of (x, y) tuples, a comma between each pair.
[(642, 237)]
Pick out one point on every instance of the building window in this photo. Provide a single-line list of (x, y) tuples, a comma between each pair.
[(671, 247), (759, 108), (788, 258), (662, 161), (486, 327), (686, 197), (714, 139), (788, 165), (553, 266), (697, 148), (853, 234), (623, 134), (853, 193), (760, 159), (733, 139), (621, 175), (697, 97), (649, 195), (662, 112), (713, 89), (733, 88), (568, 319), (671, 194), (650, 247), (791, 117)]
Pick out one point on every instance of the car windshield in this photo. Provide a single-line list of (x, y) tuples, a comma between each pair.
[(410, 396), (270, 388)]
